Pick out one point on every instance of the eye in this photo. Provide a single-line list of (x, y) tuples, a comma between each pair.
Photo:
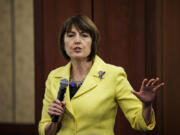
[(70, 35), (84, 35)]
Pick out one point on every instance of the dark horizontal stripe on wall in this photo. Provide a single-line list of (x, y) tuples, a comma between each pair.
[(17, 129)]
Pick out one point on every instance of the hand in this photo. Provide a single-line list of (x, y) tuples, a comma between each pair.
[(148, 90), (57, 108)]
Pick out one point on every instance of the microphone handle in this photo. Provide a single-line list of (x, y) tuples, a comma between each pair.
[(60, 97)]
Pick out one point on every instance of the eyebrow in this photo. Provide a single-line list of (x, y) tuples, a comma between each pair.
[(70, 32), (74, 32)]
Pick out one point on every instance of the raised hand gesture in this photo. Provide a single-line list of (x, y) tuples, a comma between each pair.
[(148, 90)]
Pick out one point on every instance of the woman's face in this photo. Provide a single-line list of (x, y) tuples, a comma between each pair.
[(77, 44)]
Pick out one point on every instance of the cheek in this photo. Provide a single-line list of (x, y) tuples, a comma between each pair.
[(66, 45), (66, 48), (89, 45)]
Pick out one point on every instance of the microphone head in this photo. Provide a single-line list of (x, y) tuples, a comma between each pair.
[(64, 83)]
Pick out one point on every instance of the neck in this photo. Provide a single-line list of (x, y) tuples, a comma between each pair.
[(80, 69)]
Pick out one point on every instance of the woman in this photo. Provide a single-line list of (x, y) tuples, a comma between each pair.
[(95, 89)]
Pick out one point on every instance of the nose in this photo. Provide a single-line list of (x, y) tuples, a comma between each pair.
[(77, 39)]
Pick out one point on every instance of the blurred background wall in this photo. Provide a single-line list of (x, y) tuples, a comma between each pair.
[(17, 81), (16, 61), (140, 35)]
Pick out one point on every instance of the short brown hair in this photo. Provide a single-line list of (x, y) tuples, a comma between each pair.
[(84, 23)]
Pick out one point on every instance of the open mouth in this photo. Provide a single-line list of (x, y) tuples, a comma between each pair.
[(77, 49)]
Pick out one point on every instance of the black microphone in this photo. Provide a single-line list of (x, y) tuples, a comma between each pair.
[(63, 84)]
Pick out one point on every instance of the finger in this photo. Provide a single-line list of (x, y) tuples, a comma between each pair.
[(57, 101), (149, 82), (157, 87), (60, 107), (56, 109), (135, 93), (63, 104), (53, 109), (55, 106), (143, 83), (60, 113), (51, 113), (155, 81)]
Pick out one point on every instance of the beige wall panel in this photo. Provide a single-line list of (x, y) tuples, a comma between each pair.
[(6, 108), (24, 61)]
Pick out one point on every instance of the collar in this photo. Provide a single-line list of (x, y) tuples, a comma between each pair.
[(97, 67)]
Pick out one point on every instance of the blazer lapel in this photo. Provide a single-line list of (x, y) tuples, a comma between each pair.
[(68, 101), (88, 85), (65, 73)]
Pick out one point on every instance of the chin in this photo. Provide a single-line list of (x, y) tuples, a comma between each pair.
[(79, 57)]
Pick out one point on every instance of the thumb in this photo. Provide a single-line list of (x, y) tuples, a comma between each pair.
[(63, 103), (135, 93)]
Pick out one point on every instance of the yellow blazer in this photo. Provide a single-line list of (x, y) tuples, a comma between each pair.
[(93, 108)]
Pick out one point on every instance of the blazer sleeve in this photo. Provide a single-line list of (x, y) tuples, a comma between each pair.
[(130, 104), (45, 118)]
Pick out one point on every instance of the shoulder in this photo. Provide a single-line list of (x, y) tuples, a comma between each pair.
[(109, 67), (56, 71), (118, 70), (60, 71)]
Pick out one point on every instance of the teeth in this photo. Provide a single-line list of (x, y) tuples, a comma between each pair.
[(77, 48)]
